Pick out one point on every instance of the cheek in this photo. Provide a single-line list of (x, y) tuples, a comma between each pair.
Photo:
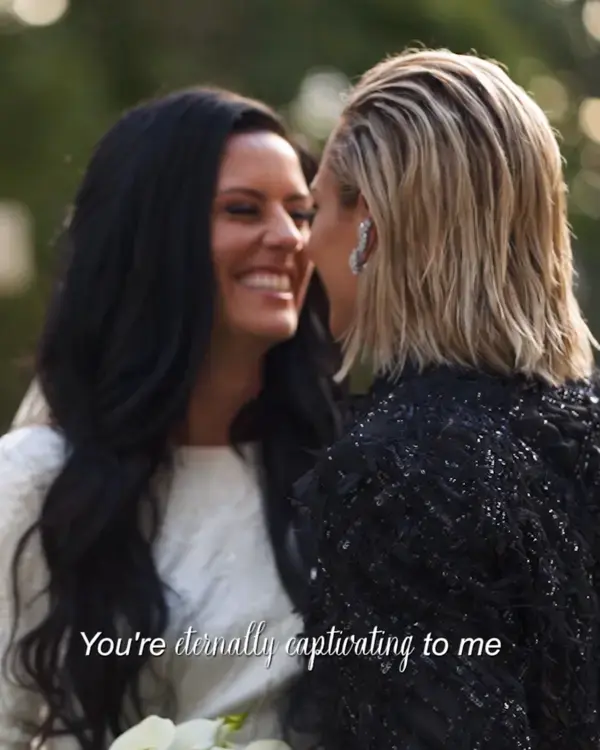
[(330, 246), (342, 304), (305, 272), (320, 238), (230, 243), (329, 249)]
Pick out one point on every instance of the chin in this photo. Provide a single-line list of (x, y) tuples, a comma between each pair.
[(274, 331), (277, 335)]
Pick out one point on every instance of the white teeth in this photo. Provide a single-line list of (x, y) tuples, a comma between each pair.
[(267, 281)]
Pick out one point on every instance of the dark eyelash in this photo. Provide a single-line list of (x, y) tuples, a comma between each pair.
[(240, 210), (304, 215), (247, 210)]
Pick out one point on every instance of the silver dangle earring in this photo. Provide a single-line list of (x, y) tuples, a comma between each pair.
[(357, 257)]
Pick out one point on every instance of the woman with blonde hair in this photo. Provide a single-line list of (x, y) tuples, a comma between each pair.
[(455, 577)]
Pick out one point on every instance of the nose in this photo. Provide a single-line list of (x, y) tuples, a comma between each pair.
[(283, 233)]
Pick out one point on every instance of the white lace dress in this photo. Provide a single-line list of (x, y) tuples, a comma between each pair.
[(213, 552)]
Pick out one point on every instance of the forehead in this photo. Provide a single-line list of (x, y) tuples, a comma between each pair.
[(324, 180), (263, 158)]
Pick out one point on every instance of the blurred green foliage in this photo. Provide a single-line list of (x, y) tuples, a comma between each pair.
[(62, 85)]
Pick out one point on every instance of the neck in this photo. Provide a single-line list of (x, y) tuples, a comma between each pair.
[(231, 378)]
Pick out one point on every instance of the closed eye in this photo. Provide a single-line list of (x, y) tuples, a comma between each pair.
[(248, 210), (242, 209), (303, 217)]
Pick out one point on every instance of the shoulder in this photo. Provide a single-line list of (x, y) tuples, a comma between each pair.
[(34, 449), (435, 425), (464, 455), (30, 458), (436, 453), (447, 421)]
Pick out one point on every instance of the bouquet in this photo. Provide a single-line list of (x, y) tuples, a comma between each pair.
[(155, 733)]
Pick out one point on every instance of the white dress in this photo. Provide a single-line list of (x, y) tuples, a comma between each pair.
[(213, 551)]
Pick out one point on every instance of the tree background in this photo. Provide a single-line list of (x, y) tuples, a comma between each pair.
[(67, 71)]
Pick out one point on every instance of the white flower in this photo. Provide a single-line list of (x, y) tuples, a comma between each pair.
[(199, 734), (153, 733)]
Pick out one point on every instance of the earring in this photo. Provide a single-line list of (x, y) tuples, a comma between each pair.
[(357, 257)]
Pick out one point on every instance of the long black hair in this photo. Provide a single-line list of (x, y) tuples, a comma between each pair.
[(126, 333)]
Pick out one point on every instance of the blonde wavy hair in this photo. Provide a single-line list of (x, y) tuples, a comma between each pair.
[(462, 175)]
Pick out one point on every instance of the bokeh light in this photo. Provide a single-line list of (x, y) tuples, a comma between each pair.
[(585, 193), (39, 12), (320, 101), (16, 249), (551, 95), (590, 156), (589, 118), (590, 15)]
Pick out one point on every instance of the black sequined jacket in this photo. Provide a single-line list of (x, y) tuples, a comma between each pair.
[(459, 506)]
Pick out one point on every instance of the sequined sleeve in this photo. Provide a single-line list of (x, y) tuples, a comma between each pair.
[(416, 562)]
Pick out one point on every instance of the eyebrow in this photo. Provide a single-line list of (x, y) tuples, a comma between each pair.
[(261, 196)]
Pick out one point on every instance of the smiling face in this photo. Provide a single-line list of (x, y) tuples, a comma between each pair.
[(261, 220)]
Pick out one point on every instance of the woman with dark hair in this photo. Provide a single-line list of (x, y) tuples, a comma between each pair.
[(184, 391)]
